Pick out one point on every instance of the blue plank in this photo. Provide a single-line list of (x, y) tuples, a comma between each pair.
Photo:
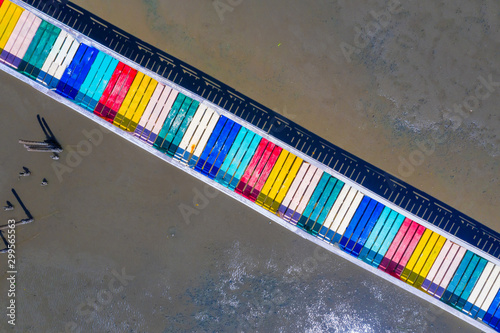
[(68, 72), (219, 143), (238, 147), (84, 70), (210, 144), (224, 151), (358, 215), (388, 240), (488, 316), (98, 86), (362, 248), (362, 224), (93, 73)]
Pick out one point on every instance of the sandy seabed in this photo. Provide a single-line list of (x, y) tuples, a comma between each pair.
[(383, 94)]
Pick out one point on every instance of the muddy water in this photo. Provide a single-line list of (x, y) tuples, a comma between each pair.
[(227, 268)]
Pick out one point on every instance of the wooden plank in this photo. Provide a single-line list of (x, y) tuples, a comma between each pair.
[(56, 49), (16, 59), (237, 169), (422, 274), (261, 173), (481, 285), (272, 177), (306, 196), (377, 240), (259, 152), (224, 151), (148, 112), (282, 183), (370, 232), (347, 218), (409, 251), (160, 113), (315, 199), (417, 253), (188, 136), (63, 60), (200, 146), (440, 263), (366, 203), (8, 24), (407, 227), (214, 146), (193, 143), (388, 240), (141, 107), (286, 212), (483, 301), (16, 35), (99, 85), (450, 273)]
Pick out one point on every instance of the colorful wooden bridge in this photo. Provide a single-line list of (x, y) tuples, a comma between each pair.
[(203, 126)]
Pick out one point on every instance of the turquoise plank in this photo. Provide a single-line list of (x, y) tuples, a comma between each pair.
[(388, 240), (237, 145), (375, 232), (244, 162), (313, 201)]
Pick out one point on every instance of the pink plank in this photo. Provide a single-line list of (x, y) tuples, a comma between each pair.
[(395, 244), (402, 247), (251, 166), (409, 251), (15, 36), (258, 170), (16, 61), (265, 173)]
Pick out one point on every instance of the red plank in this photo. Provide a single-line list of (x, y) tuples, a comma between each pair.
[(121, 96), (101, 106), (265, 173), (116, 91), (258, 169), (409, 251), (1, 2), (402, 248), (395, 244), (251, 166)]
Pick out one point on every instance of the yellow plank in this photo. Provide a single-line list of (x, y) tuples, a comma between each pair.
[(128, 99), (428, 264), (272, 177), (279, 181), (136, 117), (423, 258), (10, 27), (3, 9), (283, 189), (6, 19), (416, 254)]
